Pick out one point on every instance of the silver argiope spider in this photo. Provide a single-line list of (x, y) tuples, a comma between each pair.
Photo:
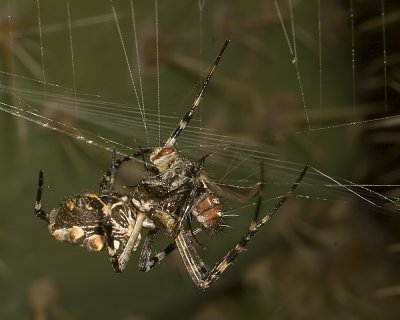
[(176, 190)]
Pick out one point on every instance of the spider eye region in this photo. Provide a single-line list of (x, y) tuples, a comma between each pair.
[(162, 157)]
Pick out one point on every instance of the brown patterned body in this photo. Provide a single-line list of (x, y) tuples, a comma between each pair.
[(208, 211), (78, 220), (178, 180)]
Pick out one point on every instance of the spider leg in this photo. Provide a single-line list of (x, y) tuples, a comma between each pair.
[(191, 259), (195, 266), (130, 245), (146, 263), (118, 261), (187, 207), (202, 160), (116, 164), (106, 224), (146, 250), (189, 114), (108, 178), (39, 212), (107, 188)]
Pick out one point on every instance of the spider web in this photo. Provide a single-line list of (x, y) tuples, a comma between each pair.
[(35, 97), (293, 88)]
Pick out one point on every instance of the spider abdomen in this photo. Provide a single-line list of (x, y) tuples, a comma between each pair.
[(208, 211), (78, 220)]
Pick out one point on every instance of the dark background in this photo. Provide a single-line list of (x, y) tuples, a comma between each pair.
[(327, 255)]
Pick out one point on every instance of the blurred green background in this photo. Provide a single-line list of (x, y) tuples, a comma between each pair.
[(327, 255)]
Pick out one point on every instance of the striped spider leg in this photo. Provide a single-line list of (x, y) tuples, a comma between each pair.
[(198, 271), (183, 241)]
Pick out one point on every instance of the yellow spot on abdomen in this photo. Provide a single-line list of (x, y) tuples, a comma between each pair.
[(70, 205), (95, 242)]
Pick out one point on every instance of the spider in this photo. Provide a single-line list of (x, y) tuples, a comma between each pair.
[(176, 190)]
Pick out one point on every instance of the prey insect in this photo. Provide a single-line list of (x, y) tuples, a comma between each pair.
[(175, 191)]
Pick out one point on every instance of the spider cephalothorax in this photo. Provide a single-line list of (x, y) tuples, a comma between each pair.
[(175, 190)]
